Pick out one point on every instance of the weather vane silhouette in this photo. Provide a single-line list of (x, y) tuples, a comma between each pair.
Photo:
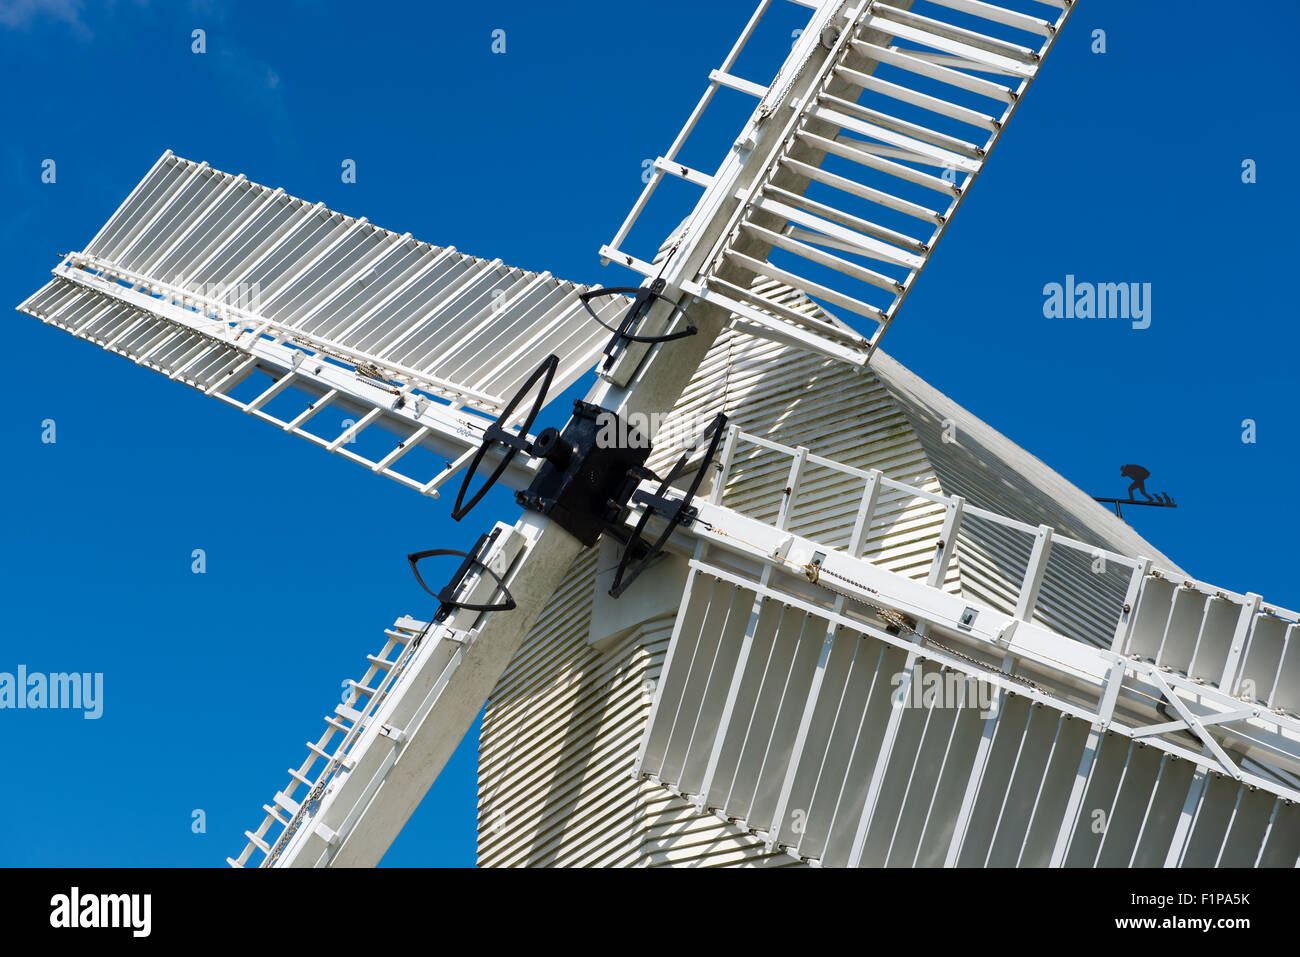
[(1138, 477)]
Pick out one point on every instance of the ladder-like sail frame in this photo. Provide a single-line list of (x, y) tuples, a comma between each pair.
[(868, 170)]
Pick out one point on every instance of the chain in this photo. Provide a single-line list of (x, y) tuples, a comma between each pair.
[(368, 372), (906, 625), (375, 376), (766, 109)]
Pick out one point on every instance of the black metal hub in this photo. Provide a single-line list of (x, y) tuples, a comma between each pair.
[(584, 482)]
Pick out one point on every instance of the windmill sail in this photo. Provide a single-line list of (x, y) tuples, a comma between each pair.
[(366, 738), (411, 710), (806, 696), (206, 277), (866, 169)]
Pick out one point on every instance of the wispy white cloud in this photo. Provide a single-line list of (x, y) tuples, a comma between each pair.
[(251, 78), (18, 14), (21, 14), (240, 67)]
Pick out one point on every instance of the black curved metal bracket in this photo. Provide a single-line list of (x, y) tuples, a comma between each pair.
[(643, 298), (447, 600), (497, 434), (674, 511)]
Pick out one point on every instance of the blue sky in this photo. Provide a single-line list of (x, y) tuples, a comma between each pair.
[(1123, 166)]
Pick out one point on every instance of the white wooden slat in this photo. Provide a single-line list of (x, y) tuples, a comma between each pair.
[(117, 220), (915, 210), (936, 155), (923, 100), (917, 132), (862, 245), (1006, 790), (822, 258), (972, 38), (311, 268), (738, 83), (995, 14), (851, 150), (1285, 694), (955, 52), (740, 303), (154, 204), (921, 67)]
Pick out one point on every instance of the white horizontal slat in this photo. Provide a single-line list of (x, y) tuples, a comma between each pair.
[(862, 245), (994, 14), (738, 83), (980, 41), (889, 236), (922, 100), (915, 130), (963, 51), (782, 329), (864, 155), (940, 157), (780, 298), (832, 296), (915, 210), (813, 254), (703, 180), (921, 67)]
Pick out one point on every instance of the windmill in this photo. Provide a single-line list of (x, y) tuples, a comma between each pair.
[(733, 634)]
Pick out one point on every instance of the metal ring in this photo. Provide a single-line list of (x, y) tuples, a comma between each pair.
[(642, 294), (447, 594), (497, 434), (714, 433)]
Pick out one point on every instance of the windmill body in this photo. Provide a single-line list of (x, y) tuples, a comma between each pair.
[(755, 662), (645, 683)]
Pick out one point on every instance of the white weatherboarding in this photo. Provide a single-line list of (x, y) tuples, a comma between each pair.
[(746, 657)]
